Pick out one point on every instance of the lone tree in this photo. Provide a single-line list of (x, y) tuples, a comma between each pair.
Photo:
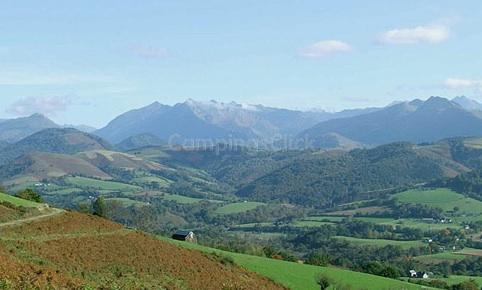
[(31, 195), (99, 207)]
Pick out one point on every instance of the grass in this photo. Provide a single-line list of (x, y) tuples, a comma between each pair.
[(376, 220), (425, 226), (470, 252), (252, 225), (407, 223), (382, 242), (66, 191), (325, 218), (309, 223), (442, 198), (238, 207), (301, 276), (439, 258), (163, 182), (126, 201), (17, 201), (181, 198), (84, 182)]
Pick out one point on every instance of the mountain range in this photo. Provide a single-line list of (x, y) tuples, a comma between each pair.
[(215, 122), (415, 121)]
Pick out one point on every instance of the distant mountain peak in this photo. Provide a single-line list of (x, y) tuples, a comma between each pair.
[(37, 115), (438, 103), (467, 103), (13, 130), (155, 104)]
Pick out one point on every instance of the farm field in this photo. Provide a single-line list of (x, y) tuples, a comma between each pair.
[(84, 182), (376, 220), (181, 198), (309, 223), (302, 277), (238, 207), (326, 218), (65, 191), (442, 198), (126, 201), (251, 225), (162, 182), (361, 211), (470, 252), (382, 242), (440, 257), (409, 223)]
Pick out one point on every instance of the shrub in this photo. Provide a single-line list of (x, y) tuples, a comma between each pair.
[(31, 195)]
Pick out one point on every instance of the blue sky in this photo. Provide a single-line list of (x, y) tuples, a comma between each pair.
[(88, 61)]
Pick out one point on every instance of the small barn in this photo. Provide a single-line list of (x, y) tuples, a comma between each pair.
[(187, 236)]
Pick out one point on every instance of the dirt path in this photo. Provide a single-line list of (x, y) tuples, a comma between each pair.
[(55, 211)]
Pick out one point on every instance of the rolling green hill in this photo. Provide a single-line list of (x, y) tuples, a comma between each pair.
[(323, 179), (442, 198), (62, 141), (297, 276), (37, 166)]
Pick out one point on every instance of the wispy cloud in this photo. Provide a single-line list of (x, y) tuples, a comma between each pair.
[(148, 52), (459, 83), (325, 48), (435, 33), (49, 106)]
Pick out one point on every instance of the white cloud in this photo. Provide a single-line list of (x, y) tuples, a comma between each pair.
[(148, 52), (48, 106), (458, 83), (419, 34), (325, 48)]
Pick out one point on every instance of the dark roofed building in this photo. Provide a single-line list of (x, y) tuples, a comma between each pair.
[(187, 236)]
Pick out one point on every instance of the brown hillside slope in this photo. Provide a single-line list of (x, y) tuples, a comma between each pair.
[(72, 249)]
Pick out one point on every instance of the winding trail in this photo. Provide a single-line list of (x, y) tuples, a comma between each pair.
[(53, 212)]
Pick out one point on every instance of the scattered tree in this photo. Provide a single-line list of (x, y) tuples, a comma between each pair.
[(99, 207), (31, 195)]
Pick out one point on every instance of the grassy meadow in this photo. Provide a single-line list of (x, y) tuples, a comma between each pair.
[(303, 277), (382, 242), (238, 207)]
